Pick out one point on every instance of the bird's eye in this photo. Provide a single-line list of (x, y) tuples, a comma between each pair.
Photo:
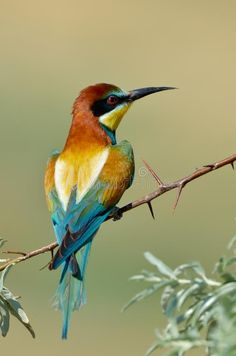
[(112, 100)]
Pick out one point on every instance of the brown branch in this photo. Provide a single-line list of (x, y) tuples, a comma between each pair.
[(178, 184), (30, 254), (14, 253), (162, 188)]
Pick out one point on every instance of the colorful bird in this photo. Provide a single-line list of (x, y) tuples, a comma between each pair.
[(85, 181)]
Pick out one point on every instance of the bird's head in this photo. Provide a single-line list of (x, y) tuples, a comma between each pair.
[(108, 103)]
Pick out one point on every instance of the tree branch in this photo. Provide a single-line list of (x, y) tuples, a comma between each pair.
[(178, 184), (30, 254), (162, 188)]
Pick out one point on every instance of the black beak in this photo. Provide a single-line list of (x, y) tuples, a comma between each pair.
[(140, 93)]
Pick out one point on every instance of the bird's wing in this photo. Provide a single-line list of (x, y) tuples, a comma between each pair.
[(118, 173), (83, 219), (69, 176), (49, 180)]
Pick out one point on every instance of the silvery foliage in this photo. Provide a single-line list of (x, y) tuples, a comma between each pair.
[(9, 304), (200, 311)]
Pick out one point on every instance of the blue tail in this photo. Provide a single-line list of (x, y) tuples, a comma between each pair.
[(75, 230), (71, 294)]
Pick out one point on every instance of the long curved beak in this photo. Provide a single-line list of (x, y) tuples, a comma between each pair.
[(140, 93)]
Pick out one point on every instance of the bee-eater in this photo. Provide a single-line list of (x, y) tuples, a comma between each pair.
[(85, 181)]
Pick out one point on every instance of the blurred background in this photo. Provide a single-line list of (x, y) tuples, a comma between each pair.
[(50, 50)]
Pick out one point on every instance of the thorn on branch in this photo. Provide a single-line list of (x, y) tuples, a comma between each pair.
[(45, 266), (212, 166), (232, 165), (151, 209), (156, 177), (15, 253), (178, 196)]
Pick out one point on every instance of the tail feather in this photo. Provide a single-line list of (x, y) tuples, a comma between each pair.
[(74, 241), (71, 293), (74, 267), (65, 268), (73, 254)]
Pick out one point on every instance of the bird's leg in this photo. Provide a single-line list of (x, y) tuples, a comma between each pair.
[(49, 263), (116, 214)]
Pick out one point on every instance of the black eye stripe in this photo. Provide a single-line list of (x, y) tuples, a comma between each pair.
[(101, 107)]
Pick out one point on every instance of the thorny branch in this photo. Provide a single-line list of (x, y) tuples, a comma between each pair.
[(162, 188)]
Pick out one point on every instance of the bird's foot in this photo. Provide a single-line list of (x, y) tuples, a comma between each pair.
[(117, 214)]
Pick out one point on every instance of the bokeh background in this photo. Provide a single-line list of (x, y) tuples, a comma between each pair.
[(49, 51)]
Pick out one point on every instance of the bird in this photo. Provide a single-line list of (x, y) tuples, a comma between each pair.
[(85, 181)]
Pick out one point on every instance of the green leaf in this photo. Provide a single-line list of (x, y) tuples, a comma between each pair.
[(9, 304), (145, 293), (186, 316), (232, 242), (197, 267), (220, 265), (3, 276), (16, 309), (153, 348), (175, 353), (137, 277), (166, 294), (227, 277), (231, 261), (184, 267), (4, 317), (188, 292), (211, 300), (171, 306), (161, 266), (2, 242), (141, 277)]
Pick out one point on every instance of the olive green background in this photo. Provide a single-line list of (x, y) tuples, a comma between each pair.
[(50, 50)]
